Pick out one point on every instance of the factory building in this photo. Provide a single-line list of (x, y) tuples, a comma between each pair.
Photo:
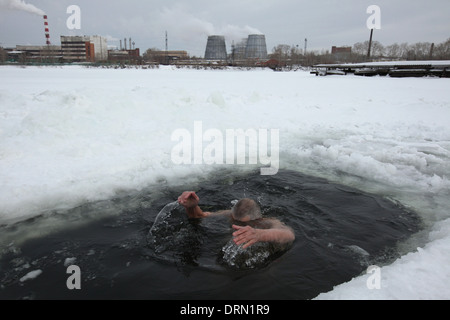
[(341, 53), (84, 48), (165, 57), (239, 50), (216, 48), (256, 47), (35, 53), (338, 50), (124, 56), (72, 49), (252, 48)]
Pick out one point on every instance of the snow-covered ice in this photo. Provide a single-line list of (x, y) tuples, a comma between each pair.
[(31, 275), (69, 261), (73, 134)]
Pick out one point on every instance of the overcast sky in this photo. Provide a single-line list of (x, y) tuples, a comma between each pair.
[(323, 22)]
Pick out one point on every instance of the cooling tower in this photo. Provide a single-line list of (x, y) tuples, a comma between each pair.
[(239, 49), (256, 47), (216, 48)]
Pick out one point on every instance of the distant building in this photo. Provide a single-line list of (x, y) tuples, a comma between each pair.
[(341, 53), (124, 55), (173, 55), (216, 48), (84, 48), (165, 57), (256, 47), (35, 52), (239, 50), (337, 50)]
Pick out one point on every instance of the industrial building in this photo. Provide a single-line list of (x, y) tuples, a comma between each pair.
[(336, 50), (36, 53), (256, 47), (73, 49), (341, 53), (239, 50), (47, 53), (124, 56), (166, 56), (216, 48), (84, 48)]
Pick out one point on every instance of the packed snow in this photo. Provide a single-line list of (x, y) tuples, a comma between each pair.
[(69, 135), (31, 275)]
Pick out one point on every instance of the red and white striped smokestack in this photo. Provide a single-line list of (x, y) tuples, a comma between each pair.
[(47, 32)]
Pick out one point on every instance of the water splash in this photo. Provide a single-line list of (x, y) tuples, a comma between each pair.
[(235, 256), (164, 228)]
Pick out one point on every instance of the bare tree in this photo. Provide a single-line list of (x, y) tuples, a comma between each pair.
[(377, 49), (281, 52), (419, 51), (393, 51), (404, 47), (442, 50), (361, 48)]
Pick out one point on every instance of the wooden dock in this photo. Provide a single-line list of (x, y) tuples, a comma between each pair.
[(393, 69)]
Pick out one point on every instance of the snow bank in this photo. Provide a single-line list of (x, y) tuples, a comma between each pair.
[(419, 275), (31, 275)]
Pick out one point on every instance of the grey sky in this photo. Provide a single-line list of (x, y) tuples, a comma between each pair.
[(323, 22)]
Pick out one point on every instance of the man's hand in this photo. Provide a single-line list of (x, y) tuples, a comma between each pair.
[(246, 235), (188, 199)]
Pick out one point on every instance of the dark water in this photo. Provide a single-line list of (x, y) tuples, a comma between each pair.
[(339, 233)]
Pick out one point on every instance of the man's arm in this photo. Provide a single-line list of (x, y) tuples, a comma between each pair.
[(278, 233), (189, 200)]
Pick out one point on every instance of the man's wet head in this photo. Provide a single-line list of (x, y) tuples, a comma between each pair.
[(246, 210)]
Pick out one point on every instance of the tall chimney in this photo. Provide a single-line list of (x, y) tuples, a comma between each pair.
[(47, 32)]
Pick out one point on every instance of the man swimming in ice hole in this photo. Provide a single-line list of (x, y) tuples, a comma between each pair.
[(247, 212)]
